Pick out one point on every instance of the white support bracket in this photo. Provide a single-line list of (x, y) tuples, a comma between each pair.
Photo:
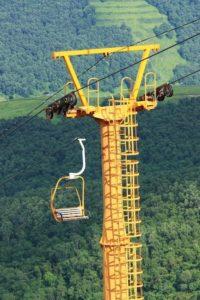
[(74, 175)]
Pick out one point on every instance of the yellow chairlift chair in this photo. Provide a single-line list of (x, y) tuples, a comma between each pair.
[(74, 212)]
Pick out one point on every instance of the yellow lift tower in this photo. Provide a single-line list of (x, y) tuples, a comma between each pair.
[(121, 233)]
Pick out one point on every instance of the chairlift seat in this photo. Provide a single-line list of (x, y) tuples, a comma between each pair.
[(69, 214)]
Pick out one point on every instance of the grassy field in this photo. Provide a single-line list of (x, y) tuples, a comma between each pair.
[(17, 108), (141, 17), (21, 107)]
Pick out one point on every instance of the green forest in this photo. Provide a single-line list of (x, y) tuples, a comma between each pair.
[(41, 259), (180, 11), (44, 260), (31, 30)]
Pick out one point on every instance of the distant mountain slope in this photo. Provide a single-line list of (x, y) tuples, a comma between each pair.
[(31, 30), (178, 12), (141, 18)]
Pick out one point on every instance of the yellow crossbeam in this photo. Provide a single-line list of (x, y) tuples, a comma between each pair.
[(145, 49), (106, 51)]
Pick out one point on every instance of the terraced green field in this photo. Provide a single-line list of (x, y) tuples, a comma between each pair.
[(141, 17)]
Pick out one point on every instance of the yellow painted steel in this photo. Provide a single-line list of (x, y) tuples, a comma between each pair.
[(121, 224), (106, 51), (150, 87), (120, 241), (123, 90), (75, 80), (140, 73), (114, 240), (93, 91)]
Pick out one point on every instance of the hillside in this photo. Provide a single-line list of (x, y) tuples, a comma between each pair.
[(177, 12), (141, 18), (31, 30), (43, 260)]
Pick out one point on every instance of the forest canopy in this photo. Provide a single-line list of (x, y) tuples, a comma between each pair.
[(179, 12), (45, 260), (31, 30)]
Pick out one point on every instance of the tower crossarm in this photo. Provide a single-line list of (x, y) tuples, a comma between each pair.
[(66, 55)]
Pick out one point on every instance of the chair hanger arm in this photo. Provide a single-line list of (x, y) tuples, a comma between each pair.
[(74, 175)]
